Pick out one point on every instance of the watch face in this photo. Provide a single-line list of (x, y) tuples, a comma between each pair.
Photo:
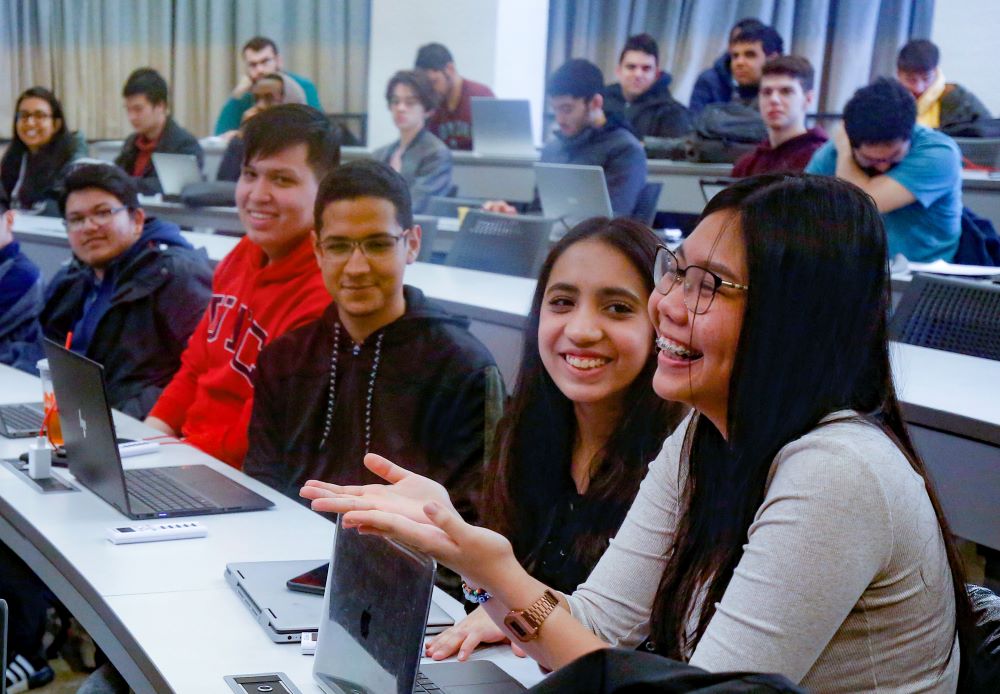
[(519, 626)]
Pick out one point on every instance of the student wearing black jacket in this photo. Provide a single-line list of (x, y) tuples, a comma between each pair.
[(145, 94), (384, 370), (38, 155), (642, 95), (133, 293)]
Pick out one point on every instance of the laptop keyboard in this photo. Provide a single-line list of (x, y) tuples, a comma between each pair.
[(161, 493), (425, 684), (21, 418)]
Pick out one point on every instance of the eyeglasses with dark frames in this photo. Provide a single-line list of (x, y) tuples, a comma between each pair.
[(699, 284)]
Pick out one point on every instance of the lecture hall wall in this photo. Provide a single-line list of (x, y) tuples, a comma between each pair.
[(968, 33)]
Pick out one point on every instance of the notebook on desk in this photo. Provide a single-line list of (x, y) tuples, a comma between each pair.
[(378, 595), (94, 459)]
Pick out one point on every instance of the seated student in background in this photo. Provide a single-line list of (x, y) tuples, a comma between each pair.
[(20, 297), (37, 156), (716, 84), (267, 285), (749, 49), (384, 369), (270, 90), (584, 421), (786, 93), (148, 111), (642, 94), (940, 104), (422, 159), (913, 173), (832, 562), (133, 292), (587, 136), (260, 58), (451, 121)]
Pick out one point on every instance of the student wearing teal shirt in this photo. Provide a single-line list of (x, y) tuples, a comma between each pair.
[(913, 173), (260, 57)]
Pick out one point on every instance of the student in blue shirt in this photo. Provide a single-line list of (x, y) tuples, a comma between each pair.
[(912, 172)]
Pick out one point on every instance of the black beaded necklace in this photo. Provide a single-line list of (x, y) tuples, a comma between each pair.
[(331, 397)]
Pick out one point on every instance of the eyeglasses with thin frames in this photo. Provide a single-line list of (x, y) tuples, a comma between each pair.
[(699, 285), (373, 247), (33, 115), (101, 217)]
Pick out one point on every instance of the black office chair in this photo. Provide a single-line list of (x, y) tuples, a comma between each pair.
[(429, 230), (505, 244), (951, 315), (645, 205), (440, 206)]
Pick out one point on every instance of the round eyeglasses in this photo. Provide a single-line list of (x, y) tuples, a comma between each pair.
[(699, 285)]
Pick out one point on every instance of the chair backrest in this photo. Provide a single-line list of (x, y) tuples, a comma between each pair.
[(439, 206), (981, 151), (951, 315), (645, 204), (984, 663), (505, 244), (429, 229)]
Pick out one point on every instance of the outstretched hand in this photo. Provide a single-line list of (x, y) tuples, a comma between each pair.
[(418, 512)]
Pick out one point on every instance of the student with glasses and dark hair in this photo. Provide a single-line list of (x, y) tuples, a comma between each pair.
[(131, 277), (418, 155), (148, 109), (913, 173), (384, 370), (267, 285), (789, 525), (941, 105), (38, 155), (583, 423)]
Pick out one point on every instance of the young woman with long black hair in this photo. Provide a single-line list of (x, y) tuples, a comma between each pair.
[(583, 422), (789, 526), (38, 154)]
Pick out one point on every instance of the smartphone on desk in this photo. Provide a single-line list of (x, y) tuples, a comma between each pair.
[(311, 581)]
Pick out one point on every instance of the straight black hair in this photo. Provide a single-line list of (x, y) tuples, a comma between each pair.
[(433, 56), (105, 176), (365, 178), (919, 55), (149, 83), (259, 43), (770, 40), (644, 43), (883, 111), (822, 241), (286, 125), (578, 78), (534, 441)]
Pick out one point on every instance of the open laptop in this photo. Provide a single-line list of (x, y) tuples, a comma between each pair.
[(285, 614), (378, 595), (21, 420), (572, 192), (175, 171), (95, 461), (710, 187), (501, 127)]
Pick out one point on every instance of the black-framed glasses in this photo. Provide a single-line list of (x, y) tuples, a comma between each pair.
[(373, 247), (699, 284), (75, 222)]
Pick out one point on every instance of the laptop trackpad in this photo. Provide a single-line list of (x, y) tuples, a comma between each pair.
[(471, 677)]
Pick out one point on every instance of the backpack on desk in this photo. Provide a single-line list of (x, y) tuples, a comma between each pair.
[(724, 132), (979, 243)]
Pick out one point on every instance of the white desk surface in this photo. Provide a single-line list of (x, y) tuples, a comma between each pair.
[(172, 596)]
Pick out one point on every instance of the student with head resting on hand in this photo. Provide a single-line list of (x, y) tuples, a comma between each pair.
[(788, 526), (584, 420)]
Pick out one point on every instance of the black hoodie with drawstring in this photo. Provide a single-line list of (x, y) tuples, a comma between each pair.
[(434, 387)]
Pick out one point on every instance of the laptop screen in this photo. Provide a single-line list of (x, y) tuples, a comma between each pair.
[(377, 597)]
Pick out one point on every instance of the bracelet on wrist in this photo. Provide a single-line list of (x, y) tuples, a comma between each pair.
[(475, 595)]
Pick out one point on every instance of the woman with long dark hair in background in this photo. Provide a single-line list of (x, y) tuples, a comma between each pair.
[(789, 526), (38, 154)]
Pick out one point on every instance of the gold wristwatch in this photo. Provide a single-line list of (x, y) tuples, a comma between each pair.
[(524, 624)]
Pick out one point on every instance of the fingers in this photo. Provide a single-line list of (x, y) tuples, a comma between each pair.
[(445, 644), (339, 504), (314, 489), (517, 650), (385, 468)]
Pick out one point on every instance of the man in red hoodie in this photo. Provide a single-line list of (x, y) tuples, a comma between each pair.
[(267, 285)]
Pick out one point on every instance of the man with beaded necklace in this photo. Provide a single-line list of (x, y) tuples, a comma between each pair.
[(384, 370)]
